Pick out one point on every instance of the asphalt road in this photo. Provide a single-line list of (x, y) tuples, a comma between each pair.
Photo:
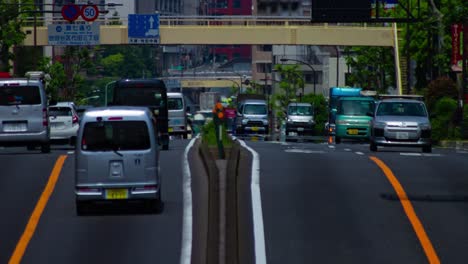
[(335, 204), (126, 236)]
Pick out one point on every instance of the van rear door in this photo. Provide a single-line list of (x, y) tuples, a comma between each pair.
[(22, 109), (117, 152)]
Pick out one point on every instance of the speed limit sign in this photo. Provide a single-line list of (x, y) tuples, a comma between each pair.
[(89, 12)]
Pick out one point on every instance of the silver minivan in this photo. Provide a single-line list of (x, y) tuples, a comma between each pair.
[(117, 158), (24, 119), (177, 114)]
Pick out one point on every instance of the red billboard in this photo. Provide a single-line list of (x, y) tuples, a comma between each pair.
[(456, 43)]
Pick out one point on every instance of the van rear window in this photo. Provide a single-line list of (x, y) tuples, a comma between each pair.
[(139, 96), (20, 95), (60, 111), (115, 135)]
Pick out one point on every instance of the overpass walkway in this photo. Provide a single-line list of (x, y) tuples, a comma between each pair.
[(239, 30)]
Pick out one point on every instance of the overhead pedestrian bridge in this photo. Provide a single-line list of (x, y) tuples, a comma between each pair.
[(235, 30)]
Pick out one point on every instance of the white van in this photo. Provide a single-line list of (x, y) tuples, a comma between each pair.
[(117, 157), (24, 118), (177, 113)]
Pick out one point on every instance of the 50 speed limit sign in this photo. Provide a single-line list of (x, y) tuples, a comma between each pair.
[(89, 12)]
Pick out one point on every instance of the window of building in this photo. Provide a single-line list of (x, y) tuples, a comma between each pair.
[(263, 67), (236, 4)]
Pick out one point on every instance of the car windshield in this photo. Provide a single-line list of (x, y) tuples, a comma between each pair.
[(355, 107), (20, 95), (115, 135), (174, 104), (255, 109), (60, 111), (401, 109), (301, 110)]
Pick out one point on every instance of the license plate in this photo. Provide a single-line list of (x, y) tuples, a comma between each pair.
[(14, 127), (300, 129), (170, 129), (402, 135), (255, 128), (353, 131), (116, 194), (292, 134)]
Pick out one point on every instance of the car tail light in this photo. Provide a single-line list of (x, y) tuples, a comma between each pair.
[(145, 188), (87, 189), (45, 122), (83, 142), (75, 119)]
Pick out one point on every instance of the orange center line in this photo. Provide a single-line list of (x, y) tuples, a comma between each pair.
[(36, 215), (410, 213)]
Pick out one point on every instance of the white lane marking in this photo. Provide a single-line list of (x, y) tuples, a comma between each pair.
[(331, 146), (347, 149), (359, 153), (420, 154), (462, 152), (431, 155), (71, 152), (186, 251), (306, 151), (259, 236), (410, 154)]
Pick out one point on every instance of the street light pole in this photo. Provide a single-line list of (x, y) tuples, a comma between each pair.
[(105, 92), (307, 64)]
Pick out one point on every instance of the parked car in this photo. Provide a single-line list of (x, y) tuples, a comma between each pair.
[(401, 122), (24, 115), (64, 122)]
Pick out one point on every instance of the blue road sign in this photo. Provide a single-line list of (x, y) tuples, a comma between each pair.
[(71, 12), (143, 29)]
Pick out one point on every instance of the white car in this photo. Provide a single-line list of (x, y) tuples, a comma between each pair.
[(64, 122)]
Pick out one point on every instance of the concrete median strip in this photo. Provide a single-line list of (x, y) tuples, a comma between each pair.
[(230, 214)]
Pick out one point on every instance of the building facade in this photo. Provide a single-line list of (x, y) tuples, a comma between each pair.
[(224, 53)]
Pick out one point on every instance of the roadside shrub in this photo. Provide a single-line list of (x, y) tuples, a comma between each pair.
[(443, 120), (441, 87), (209, 135), (320, 108)]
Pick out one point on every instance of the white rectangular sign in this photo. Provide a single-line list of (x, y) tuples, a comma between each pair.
[(73, 34)]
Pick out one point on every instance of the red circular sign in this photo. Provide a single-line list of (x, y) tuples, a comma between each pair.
[(70, 12), (89, 12)]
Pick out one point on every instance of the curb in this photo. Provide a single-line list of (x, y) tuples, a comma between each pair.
[(456, 144)]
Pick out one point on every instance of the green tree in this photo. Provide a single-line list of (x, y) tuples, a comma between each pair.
[(57, 78), (12, 17), (291, 81), (76, 61), (373, 68)]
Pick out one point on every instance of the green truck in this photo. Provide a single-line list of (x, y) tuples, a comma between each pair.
[(353, 117)]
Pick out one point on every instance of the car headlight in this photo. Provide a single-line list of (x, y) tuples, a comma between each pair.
[(425, 126), (379, 125), (244, 121), (311, 121), (265, 122), (289, 120)]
